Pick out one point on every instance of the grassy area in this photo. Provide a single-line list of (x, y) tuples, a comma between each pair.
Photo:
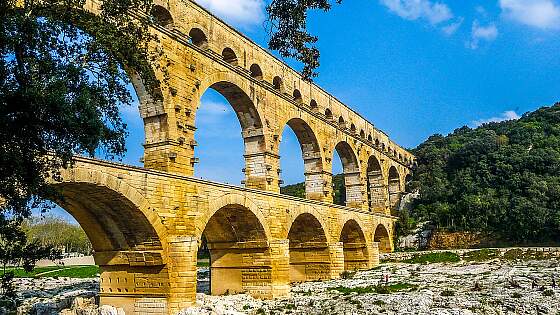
[(57, 271), (440, 257), (380, 289), (481, 255)]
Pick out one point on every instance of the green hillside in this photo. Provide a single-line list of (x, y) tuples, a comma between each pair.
[(501, 179)]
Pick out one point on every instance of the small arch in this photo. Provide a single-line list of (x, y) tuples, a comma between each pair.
[(311, 155), (297, 96), (382, 237), (229, 56), (313, 105), (341, 122), (362, 134), (227, 233), (377, 142), (161, 16), (256, 71), (369, 138), (309, 254), (376, 186), (198, 38), (278, 84), (351, 170), (352, 128), (328, 114), (354, 244), (394, 188)]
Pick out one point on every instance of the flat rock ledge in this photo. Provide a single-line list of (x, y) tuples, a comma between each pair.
[(491, 287)]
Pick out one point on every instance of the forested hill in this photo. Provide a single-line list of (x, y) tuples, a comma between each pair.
[(502, 179)]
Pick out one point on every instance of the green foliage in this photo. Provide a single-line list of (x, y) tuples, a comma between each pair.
[(516, 295), (548, 292), (481, 255), (440, 257), (59, 234), (520, 254), (62, 82), (501, 178), (288, 31)]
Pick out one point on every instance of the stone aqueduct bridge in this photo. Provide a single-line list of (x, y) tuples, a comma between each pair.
[(146, 224)]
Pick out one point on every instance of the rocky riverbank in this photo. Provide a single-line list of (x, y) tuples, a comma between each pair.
[(495, 286)]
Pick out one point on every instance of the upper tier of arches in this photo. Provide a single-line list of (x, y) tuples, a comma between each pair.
[(206, 32)]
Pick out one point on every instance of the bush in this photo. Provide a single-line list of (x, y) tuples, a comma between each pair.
[(440, 257), (447, 292), (347, 274), (516, 295), (481, 255)]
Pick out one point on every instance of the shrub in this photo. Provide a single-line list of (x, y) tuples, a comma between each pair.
[(481, 255), (548, 292), (440, 257), (447, 292)]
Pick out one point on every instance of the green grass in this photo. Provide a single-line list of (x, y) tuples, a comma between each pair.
[(433, 258), (481, 255), (519, 254), (380, 289), (57, 271), (202, 264)]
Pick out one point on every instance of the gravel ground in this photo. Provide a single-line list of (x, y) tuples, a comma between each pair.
[(492, 287)]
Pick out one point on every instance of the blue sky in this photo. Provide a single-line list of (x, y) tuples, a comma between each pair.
[(412, 67)]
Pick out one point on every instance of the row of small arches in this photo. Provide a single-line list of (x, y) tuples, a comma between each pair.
[(198, 38)]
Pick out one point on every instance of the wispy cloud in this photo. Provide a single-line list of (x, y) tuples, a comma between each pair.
[(213, 108), (543, 14), (482, 33), (507, 115), (453, 27), (244, 13), (433, 12)]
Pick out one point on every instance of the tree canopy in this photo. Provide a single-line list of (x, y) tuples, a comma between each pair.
[(502, 178)]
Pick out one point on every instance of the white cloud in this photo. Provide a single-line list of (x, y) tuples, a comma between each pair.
[(213, 108), (433, 12), (543, 14), (240, 12), (482, 33), (507, 115), (453, 27)]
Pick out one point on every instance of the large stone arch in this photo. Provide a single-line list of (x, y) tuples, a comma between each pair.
[(245, 104), (309, 249), (311, 155), (376, 186), (120, 203), (129, 240), (382, 236), (218, 203), (355, 246), (239, 247), (352, 175)]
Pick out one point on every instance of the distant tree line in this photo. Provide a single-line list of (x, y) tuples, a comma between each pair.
[(56, 232), (501, 179), (339, 192)]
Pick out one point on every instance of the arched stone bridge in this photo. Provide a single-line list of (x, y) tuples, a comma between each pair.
[(146, 224)]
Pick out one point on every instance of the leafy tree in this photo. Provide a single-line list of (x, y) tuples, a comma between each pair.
[(501, 178), (56, 232), (288, 31), (62, 82)]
